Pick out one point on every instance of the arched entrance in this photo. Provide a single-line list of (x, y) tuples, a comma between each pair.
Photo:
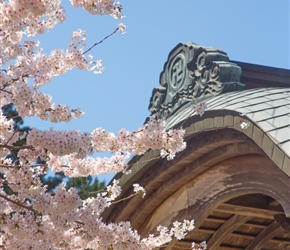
[(234, 183)]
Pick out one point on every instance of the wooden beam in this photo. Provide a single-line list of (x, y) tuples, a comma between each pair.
[(249, 224), (264, 236), (226, 229), (244, 236), (256, 201), (252, 237), (247, 211), (171, 244), (251, 200), (283, 221), (230, 248), (205, 230)]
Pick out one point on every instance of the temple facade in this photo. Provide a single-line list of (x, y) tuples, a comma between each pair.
[(233, 178)]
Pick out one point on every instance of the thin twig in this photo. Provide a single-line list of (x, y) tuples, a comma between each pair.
[(101, 40), (6, 91), (145, 161), (126, 198), (14, 132), (17, 116), (17, 203), (190, 114), (9, 166), (79, 222), (95, 192), (16, 147)]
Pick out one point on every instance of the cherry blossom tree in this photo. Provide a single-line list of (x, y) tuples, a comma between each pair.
[(30, 217)]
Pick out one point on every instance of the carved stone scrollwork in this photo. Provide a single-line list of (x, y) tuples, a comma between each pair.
[(192, 73)]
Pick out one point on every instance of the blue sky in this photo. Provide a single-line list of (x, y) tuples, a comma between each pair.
[(249, 31)]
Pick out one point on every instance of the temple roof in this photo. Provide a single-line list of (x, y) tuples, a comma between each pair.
[(267, 109), (233, 182), (194, 73)]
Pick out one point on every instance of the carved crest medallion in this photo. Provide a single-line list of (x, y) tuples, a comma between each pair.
[(193, 73)]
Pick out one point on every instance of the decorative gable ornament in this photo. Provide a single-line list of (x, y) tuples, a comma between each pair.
[(191, 74)]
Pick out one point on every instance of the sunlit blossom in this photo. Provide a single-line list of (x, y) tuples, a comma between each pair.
[(30, 217)]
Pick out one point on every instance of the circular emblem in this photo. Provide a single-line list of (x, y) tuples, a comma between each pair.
[(177, 72)]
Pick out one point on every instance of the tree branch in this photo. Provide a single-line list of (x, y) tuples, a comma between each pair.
[(16, 147), (126, 198), (17, 203), (9, 166), (101, 40), (6, 91)]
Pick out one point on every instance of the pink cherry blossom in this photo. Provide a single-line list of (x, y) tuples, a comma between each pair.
[(30, 217)]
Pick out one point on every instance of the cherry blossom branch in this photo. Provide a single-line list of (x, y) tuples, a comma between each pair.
[(126, 198), (105, 38), (17, 116), (9, 166), (145, 161), (17, 203), (63, 147), (14, 132), (184, 121), (79, 222), (22, 77), (198, 108), (16, 147), (6, 91), (95, 192)]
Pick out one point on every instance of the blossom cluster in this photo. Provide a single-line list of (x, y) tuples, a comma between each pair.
[(70, 151), (6, 128), (199, 108), (30, 217), (244, 125), (101, 7), (139, 189), (64, 221)]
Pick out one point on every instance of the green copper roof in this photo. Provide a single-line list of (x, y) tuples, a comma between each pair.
[(267, 109)]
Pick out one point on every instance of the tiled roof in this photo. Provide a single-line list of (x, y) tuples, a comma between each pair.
[(268, 110)]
